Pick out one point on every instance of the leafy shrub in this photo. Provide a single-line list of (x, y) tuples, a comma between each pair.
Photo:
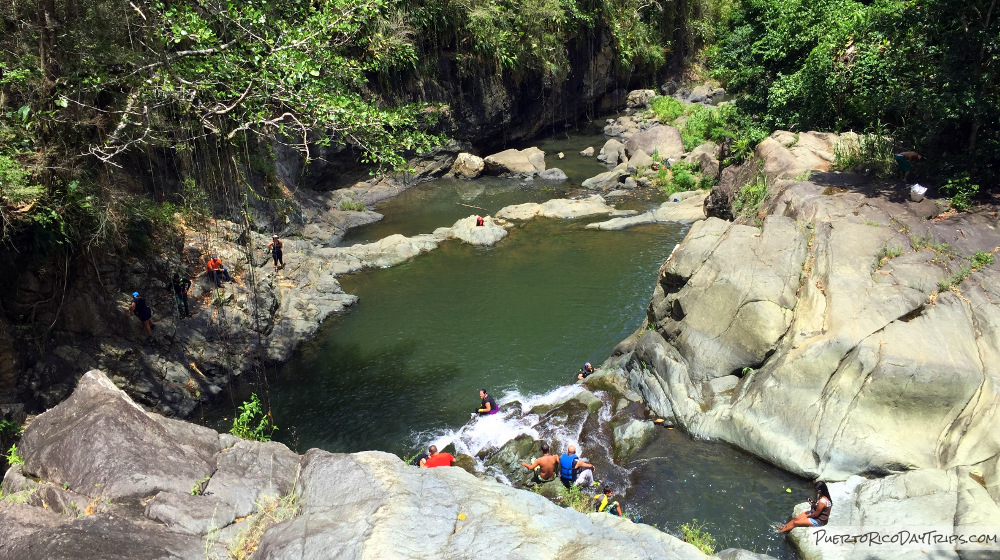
[(666, 108), (12, 457), (872, 149), (695, 533), (15, 182), (749, 199), (955, 278), (252, 412), (962, 191), (981, 259)]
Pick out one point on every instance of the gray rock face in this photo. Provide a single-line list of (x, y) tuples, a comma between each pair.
[(664, 140), (101, 444), (608, 180), (639, 98), (707, 158), (922, 499), (630, 436), (887, 368), (516, 163), (688, 209), (641, 160), (452, 511), (561, 208), (613, 152), (467, 166), (554, 174)]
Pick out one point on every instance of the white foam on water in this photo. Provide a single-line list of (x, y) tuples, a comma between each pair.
[(492, 431)]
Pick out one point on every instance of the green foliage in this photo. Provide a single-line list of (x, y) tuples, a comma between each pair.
[(873, 150), (12, 457), (199, 486), (695, 533), (666, 108), (355, 205), (12, 429), (749, 199), (926, 69), (253, 423), (928, 242), (955, 278), (575, 498), (981, 259), (886, 254), (16, 186), (679, 177), (706, 123), (962, 192)]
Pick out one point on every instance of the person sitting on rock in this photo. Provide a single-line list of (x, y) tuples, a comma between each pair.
[(217, 272), (818, 514), (606, 503), (480, 221), (488, 404), (585, 371), (436, 459), (420, 460), (585, 474), (570, 465), (544, 467)]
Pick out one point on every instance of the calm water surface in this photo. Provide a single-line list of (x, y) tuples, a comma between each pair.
[(405, 364)]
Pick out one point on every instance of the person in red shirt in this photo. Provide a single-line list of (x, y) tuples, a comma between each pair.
[(438, 459)]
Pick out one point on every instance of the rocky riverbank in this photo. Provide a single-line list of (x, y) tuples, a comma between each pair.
[(853, 332), (103, 478)]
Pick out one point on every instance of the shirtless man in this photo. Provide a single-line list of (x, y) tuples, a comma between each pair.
[(544, 466)]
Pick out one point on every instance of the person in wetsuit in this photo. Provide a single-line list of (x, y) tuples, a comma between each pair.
[(818, 514), (140, 309), (586, 370), (488, 405), (275, 246), (180, 287)]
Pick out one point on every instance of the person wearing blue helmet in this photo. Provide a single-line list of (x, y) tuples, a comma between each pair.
[(140, 309)]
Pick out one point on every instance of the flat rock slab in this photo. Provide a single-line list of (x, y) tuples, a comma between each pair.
[(561, 208), (250, 470), (689, 209), (185, 513)]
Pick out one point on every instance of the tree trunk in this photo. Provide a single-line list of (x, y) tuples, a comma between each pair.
[(47, 25)]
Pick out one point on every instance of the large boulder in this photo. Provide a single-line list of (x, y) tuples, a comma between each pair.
[(607, 180), (665, 141), (842, 310), (639, 98), (951, 504), (467, 166), (612, 153), (516, 163), (706, 156), (486, 235), (99, 443), (398, 511)]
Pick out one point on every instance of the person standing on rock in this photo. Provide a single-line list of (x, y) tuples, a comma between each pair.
[(818, 514), (275, 247), (544, 467), (180, 287), (905, 160), (488, 404), (140, 309), (436, 459)]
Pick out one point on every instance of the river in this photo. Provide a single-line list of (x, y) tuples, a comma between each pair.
[(403, 367)]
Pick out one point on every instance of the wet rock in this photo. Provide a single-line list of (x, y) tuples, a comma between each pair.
[(466, 463), (587, 152), (554, 174), (467, 166), (663, 140), (486, 235), (629, 436), (516, 163)]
